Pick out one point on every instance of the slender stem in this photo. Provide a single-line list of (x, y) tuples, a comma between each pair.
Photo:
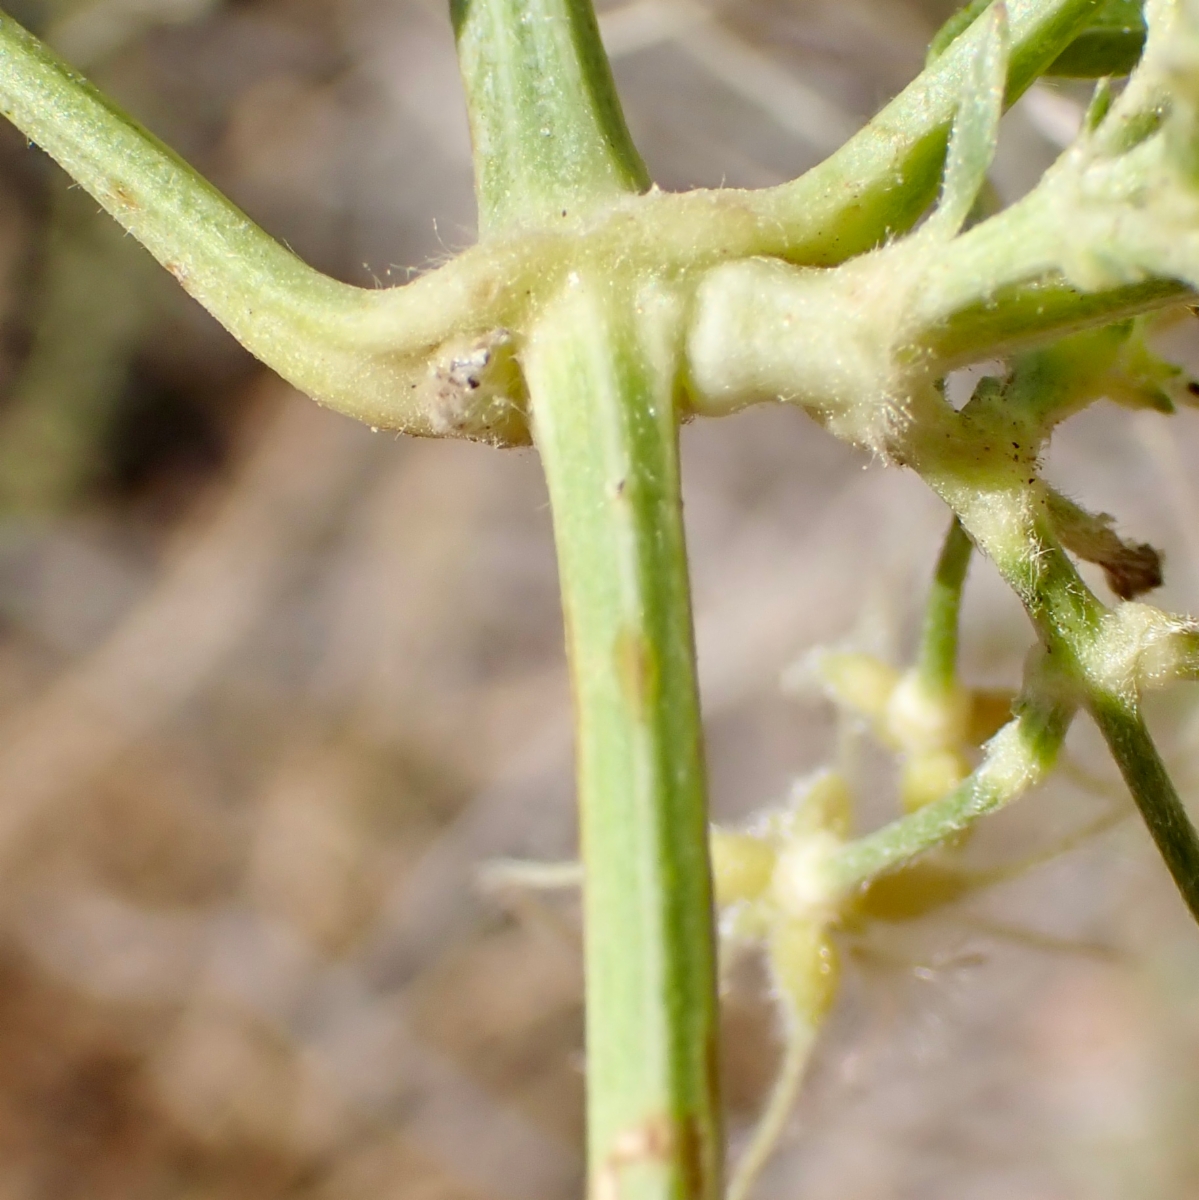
[(1000, 287), (1020, 755), (998, 321), (605, 423), (95, 294), (799, 1039), (938, 656), (1140, 764), (548, 132), (601, 366)]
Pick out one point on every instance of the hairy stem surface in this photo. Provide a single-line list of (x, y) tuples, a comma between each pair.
[(1091, 657)]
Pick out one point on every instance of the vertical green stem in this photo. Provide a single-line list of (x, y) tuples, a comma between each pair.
[(548, 132), (605, 424), (939, 637), (601, 365)]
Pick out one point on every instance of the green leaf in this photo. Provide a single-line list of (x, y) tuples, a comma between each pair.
[(954, 28), (1111, 43), (976, 126)]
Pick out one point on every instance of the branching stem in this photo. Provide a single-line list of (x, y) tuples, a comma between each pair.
[(1081, 638)]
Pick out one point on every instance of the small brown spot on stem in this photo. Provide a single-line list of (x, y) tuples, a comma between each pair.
[(691, 1157), (123, 198), (636, 668), (651, 1142)]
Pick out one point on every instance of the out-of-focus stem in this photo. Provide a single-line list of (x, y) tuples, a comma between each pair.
[(1019, 756), (938, 658)]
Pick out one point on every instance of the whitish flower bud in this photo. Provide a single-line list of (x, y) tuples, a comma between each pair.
[(801, 884), (921, 718), (855, 681), (821, 802)]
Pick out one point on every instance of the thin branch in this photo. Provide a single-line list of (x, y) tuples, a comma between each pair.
[(1019, 756), (938, 655)]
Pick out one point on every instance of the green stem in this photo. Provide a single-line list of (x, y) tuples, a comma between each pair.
[(800, 1039), (998, 321), (548, 132), (881, 181), (845, 342), (364, 353), (1019, 756), (361, 351), (1090, 654), (1160, 806), (1000, 287), (938, 657), (97, 292), (603, 401)]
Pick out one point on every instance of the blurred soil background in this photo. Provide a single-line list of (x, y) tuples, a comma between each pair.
[(273, 689)]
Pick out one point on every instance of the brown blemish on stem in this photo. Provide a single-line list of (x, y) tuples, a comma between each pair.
[(637, 670), (123, 198), (690, 1157), (651, 1143)]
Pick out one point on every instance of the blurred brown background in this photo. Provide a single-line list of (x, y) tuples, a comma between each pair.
[(272, 688)]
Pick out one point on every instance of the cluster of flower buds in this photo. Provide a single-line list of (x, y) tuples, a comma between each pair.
[(934, 730)]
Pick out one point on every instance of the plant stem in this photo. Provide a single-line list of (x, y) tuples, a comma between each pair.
[(938, 657), (548, 132), (603, 401), (1082, 636), (360, 351), (1140, 764), (799, 1040), (881, 181), (1019, 756), (1000, 287), (364, 353)]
